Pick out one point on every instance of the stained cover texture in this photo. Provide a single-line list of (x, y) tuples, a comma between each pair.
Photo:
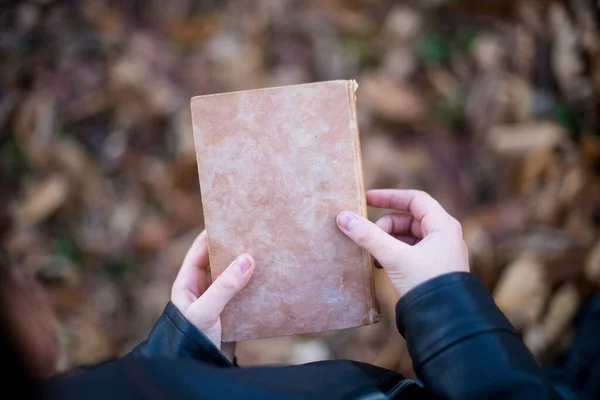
[(276, 166)]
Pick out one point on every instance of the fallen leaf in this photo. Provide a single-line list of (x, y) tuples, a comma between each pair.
[(309, 351), (390, 100), (522, 291), (561, 310), (265, 351), (402, 24), (592, 265), (482, 257), (43, 200), (91, 342), (34, 125), (566, 61), (516, 140), (489, 52)]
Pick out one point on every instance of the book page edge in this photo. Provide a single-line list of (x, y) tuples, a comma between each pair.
[(374, 311)]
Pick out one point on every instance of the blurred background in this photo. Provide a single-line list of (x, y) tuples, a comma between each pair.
[(492, 107)]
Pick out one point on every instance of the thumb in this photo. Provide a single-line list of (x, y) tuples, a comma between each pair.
[(205, 312), (370, 237)]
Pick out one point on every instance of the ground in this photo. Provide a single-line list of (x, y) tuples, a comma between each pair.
[(490, 108)]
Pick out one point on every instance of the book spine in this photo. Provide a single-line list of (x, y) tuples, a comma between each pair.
[(373, 312), (196, 135)]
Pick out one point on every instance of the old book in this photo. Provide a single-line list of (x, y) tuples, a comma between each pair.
[(276, 166)]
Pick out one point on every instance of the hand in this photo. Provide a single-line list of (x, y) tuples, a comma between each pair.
[(419, 244), (202, 303)]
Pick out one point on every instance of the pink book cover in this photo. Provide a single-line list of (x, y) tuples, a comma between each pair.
[(276, 166)]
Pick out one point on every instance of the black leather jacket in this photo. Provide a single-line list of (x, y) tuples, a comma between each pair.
[(461, 345)]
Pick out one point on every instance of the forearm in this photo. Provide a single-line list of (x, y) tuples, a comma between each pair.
[(462, 346)]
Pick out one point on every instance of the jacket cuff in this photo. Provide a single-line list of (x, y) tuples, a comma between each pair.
[(445, 310), (174, 336)]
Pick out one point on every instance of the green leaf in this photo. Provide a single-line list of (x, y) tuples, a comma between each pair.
[(68, 249), (433, 49), (565, 116)]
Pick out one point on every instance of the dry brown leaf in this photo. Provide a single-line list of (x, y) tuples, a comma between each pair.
[(309, 351), (592, 265), (390, 100), (265, 351), (518, 97), (523, 56), (134, 70), (545, 242), (529, 12), (522, 291), (399, 64), (561, 311), (34, 126), (489, 51), (573, 182), (587, 24), (43, 200), (565, 266), (91, 343), (548, 205), (388, 163), (238, 61), (538, 166), (195, 30), (503, 219), (392, 352), (580, 226), (481, 252), (87, 106), (486, 104), (152, 233), (590, 148), (516, 140), (443, 82), (566, 60), (402, 24), (350, 20), (74, 159)]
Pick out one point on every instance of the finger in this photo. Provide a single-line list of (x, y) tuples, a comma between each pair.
[(192, 275), (206, 310), (408, 239), (400, 224), (369, 236), (420, 205)]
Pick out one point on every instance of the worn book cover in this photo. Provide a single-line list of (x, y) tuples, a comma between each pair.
[(276, 167)]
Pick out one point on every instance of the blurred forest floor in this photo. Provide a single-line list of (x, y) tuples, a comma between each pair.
[(492, 108)]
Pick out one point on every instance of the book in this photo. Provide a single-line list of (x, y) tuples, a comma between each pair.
[(276, 166)]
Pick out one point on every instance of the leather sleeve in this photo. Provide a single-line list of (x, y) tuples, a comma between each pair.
[(463, 347), (173, 336)]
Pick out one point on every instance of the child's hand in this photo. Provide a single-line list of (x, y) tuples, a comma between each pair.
[(202, 302), (419, 244)]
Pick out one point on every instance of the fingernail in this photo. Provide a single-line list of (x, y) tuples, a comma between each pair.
[(347, 220), (242, 264)]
